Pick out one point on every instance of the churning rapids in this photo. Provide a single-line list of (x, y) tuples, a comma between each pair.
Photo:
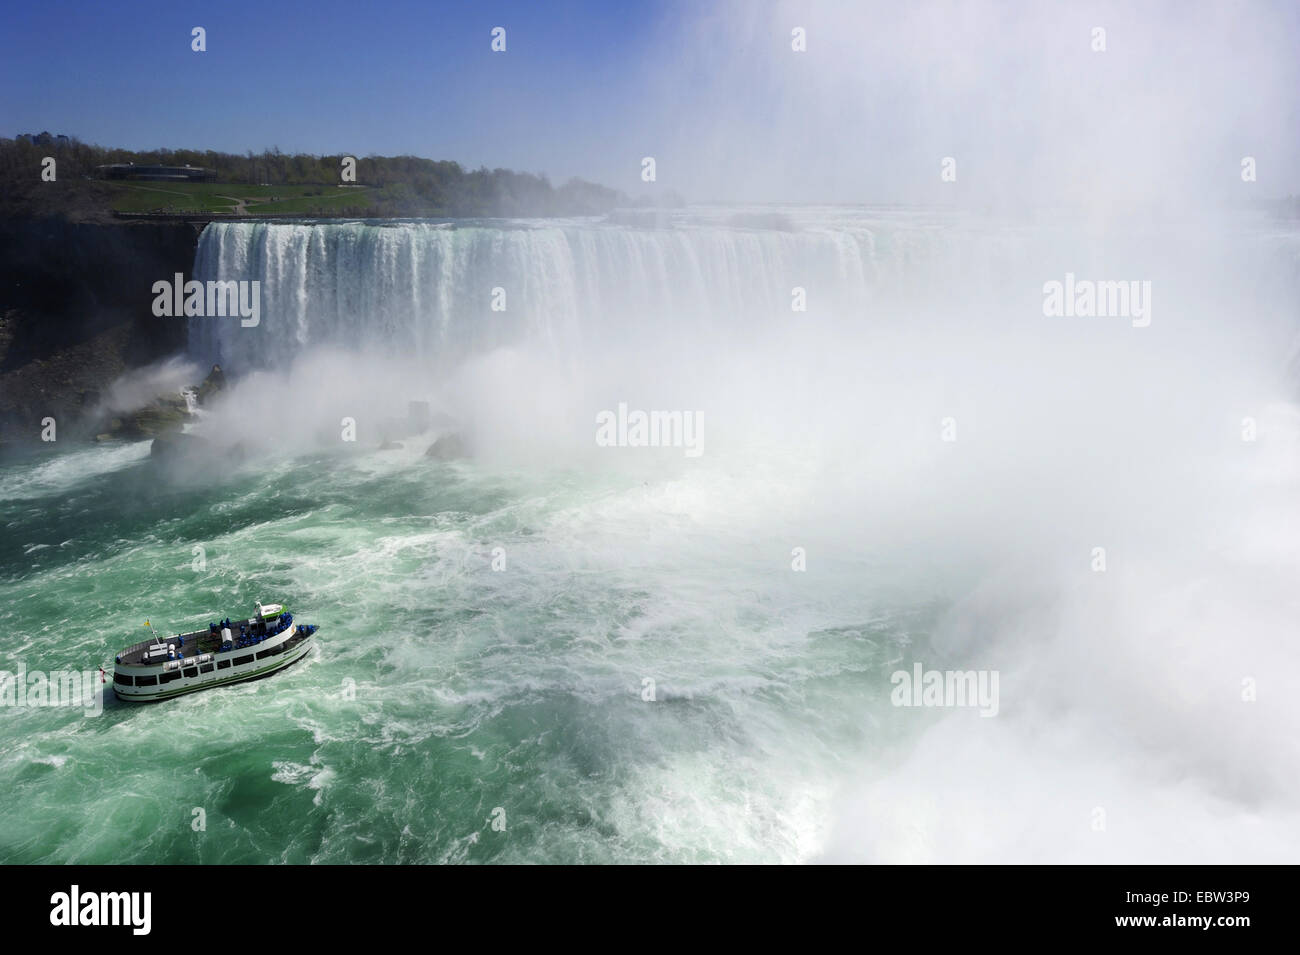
[(554, 650)]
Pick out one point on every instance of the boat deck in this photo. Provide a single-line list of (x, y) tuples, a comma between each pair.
[(191, 644)]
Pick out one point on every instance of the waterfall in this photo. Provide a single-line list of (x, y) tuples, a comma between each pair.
[(440, 292)]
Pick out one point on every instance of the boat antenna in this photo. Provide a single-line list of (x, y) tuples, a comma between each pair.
[(157, 639)]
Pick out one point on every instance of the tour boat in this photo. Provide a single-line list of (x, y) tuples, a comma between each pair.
[(228, 651)]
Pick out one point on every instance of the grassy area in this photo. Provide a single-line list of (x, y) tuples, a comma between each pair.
[(132, 198), (227, 197), (305, 185), (326, 201)]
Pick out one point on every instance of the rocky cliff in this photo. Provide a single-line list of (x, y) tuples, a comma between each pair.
[(76, 313)]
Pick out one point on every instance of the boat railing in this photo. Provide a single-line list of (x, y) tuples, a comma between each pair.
[(203, 645)]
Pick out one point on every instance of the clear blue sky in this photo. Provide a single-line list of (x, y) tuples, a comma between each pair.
[(412, 76), (711, 88)]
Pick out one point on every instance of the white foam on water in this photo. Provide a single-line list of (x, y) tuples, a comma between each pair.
[(68, 470)]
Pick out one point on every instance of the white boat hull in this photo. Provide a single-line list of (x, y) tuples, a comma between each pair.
[(149, 684)]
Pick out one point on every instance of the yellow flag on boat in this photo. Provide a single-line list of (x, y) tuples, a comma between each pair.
[(146, 623)]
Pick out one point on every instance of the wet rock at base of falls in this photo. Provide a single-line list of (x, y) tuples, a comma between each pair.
[(449, 447), (212, 385), (161, 416), (170, 447), (192, 459)]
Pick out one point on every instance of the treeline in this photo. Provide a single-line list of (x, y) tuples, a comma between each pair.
[(398, 185)]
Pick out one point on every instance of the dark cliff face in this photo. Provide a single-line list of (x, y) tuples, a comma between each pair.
[(76, 312)]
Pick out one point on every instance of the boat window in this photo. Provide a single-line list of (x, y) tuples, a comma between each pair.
[(189, 672), (240, 661), (125, 679), (168, 677), (206, 668), (146, 681), (223, 664)]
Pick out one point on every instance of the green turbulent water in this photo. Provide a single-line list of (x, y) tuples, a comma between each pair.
[(451, 712)]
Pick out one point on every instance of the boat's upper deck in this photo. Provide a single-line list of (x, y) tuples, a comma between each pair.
[(158, 650)]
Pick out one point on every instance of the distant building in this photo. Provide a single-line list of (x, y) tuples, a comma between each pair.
[(44, 139), (128, 170)]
